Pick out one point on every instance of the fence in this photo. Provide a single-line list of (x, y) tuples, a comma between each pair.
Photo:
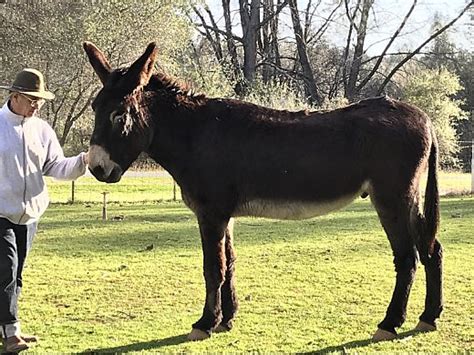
[(133, 187)]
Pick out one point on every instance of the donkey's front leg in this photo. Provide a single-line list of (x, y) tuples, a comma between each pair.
[(212, 237)]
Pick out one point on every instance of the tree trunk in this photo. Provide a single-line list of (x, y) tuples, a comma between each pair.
[(351, 92), (232, 48), (269, 41), (310, 84), (250, 18)]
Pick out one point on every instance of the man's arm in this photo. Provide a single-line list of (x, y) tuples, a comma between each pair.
[(59, 167)]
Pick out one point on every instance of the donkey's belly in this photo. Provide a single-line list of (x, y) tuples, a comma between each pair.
[(291, 209)]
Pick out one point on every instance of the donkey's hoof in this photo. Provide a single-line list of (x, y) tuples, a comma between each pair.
[(383, 335), (424, 327), (198, 334), (221, 329)]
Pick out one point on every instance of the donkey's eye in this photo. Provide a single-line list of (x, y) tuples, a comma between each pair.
[(121, 121), (118, 116)]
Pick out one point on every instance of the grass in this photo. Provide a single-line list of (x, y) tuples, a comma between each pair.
[(451, 182), (133, 189), (320, 285)]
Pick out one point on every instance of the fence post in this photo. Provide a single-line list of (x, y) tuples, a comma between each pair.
[(72, 191), (104, 207), (174, 190)]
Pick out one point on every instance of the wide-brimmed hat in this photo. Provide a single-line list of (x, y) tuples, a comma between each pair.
[(30, 82)]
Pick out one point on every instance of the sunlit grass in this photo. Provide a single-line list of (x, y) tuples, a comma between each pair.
[(319, 285), (132, 189), (454, 182)]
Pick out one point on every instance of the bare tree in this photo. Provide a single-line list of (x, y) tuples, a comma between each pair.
[(421, 46), (251, 26), (353, 80), (268, 41), (308, 77), (262, 47), (361, 30)]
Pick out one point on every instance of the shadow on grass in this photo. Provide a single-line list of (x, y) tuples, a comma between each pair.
[(352, 345), (173, 226), (148, 345)]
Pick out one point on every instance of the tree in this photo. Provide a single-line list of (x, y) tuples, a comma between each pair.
[(252, 49), (48, 35), (251, 26), (443, 53), (433, 91), (308, 77), (464, 63)]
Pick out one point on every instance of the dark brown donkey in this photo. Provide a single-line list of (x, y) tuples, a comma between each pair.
[(232, 158)]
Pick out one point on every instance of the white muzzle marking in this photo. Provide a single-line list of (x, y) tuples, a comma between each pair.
[(98, 156)]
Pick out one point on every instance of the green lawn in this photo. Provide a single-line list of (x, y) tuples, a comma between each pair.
[(319, 285), (88, 189)]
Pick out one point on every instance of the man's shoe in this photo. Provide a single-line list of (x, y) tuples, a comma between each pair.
[(29, 338), (14, 344)]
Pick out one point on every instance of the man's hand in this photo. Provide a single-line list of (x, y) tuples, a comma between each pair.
[(86, 158)]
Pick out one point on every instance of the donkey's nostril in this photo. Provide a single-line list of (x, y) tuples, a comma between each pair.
[(98, 172)]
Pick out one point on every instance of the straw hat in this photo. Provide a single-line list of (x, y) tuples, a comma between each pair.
[(30, 82)]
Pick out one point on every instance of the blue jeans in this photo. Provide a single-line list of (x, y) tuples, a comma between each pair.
[(15, 243)]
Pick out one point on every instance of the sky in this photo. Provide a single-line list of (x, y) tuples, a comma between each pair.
[(386, 19), (419, 27)]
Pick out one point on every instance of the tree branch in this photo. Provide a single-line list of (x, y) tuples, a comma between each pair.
[(379, 60), (417, 50), (319, 33), (207, 27), (215, 42), (277, 11), (348, 40)]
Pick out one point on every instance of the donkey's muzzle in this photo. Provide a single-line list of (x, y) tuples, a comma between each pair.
[(100, 174)]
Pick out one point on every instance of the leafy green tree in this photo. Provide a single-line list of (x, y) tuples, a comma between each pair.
[(465, 70), (443, 53), (48, 35), (433, 91)]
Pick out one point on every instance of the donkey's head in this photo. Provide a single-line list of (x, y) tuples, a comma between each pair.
[(121, 129)]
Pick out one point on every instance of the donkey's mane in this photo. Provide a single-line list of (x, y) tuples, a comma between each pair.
[(184, 92)]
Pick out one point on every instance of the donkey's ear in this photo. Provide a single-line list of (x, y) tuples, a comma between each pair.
[(98, 61), (141, 70)]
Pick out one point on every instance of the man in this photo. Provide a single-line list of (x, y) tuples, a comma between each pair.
[(29, 150)]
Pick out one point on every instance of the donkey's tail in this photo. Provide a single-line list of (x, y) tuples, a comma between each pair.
[(431, 206)]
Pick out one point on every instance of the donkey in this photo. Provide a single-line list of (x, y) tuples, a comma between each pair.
[(232, 158)]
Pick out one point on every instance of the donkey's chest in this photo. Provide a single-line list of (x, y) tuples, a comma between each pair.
[(284, 209)]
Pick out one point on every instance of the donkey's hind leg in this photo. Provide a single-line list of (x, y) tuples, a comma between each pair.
[(394, 214), (434, 295), (229, 296)]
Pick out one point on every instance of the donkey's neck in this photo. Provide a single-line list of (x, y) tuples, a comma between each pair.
[(173, 116)]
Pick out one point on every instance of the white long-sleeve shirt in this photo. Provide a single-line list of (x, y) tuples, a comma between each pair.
[(29, 150)]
